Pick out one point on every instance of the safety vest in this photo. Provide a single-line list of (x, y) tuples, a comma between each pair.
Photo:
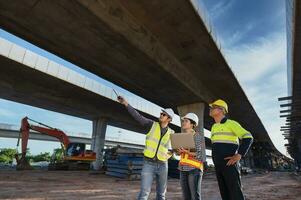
[(228, 132), (155, 145), (189, 160)]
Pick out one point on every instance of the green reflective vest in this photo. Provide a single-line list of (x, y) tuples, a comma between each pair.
[(228, 132), (154, 143)]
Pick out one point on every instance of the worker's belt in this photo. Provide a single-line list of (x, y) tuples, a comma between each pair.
[(155, 160), (189, 160)]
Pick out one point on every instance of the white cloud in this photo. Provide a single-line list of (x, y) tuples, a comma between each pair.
[(237, 35), (255, 61), (220, 8), (261, 69)]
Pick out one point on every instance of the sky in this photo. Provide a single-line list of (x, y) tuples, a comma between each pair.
[(252, 36), (253, 40)]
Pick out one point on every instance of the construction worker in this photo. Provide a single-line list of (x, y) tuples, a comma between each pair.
[(191, 162), (156, 151), (226, 151)]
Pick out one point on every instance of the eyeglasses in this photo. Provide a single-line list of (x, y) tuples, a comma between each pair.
[(215, 107), (164, 114)]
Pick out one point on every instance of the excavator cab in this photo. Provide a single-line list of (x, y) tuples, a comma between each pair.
[(75, 149), (77, 152)]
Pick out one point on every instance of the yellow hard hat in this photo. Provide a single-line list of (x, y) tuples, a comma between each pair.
[(220, 103)]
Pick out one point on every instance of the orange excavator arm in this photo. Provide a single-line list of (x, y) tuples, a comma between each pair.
[(44, 129), (47, 130)]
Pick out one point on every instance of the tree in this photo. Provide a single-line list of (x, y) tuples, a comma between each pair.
[(58, 155), (41, 157), (7, 155)]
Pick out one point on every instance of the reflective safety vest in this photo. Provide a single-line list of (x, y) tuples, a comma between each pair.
[(189, 160), (228, 132), (155, 145)]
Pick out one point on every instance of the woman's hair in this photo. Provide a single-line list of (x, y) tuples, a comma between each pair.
[(193, 123)]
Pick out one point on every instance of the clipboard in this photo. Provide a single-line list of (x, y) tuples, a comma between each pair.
[(185, 140)]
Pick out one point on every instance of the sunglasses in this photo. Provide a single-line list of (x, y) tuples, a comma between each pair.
[(215, 107), (164, 114)]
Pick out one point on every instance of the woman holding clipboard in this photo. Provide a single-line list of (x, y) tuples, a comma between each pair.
[(191, 163)]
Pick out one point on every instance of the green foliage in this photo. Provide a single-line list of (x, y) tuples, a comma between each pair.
[(41, 157), (7, 155), (58, 155)]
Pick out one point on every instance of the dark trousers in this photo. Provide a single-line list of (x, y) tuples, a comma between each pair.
[(229, 183), (191, 184)]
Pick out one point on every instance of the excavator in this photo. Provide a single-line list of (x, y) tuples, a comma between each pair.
[(75, 156)]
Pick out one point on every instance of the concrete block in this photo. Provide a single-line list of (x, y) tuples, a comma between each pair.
[(72, 76), (108, 92), (101, 90), (140, 104), (95, 86), (42, 64), (76, 78), (53, 68), (88, 84), (63, 73), (80, 80), (17, 53), (148, 107), (5, 47), (30, 59), (152, 109), (131, 100), (135, 103), (143, 106)]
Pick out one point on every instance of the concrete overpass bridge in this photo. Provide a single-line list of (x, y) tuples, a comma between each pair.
[(13, 131), (46, 84), (162, 51)]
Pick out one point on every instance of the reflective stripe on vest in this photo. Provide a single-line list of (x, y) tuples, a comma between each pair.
[(224, 141), (152, 141), (224, 137), (247, 135), (189, 160), (228, 131)]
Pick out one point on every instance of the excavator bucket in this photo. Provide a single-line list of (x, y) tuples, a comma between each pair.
[(23, 164)]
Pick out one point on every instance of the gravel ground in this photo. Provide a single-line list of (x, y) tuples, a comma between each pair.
[(34, 185)]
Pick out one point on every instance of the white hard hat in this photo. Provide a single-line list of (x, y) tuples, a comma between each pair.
[(169, 111), (192, 117)]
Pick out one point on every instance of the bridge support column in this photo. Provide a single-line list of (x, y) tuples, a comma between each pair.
[(198, 109), (98, 141)]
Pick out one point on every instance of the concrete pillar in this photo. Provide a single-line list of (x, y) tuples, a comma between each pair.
[(198, 109), (98, 141)]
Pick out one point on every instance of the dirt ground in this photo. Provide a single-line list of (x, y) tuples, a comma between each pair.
[(34, 185)]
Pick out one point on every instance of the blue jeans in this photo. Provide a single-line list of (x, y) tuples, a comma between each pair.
[(149, 170), (191, 184)]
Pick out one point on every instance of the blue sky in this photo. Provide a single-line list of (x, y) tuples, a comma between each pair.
[(253, 40)]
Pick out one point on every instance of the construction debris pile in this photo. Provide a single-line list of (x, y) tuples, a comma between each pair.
[(123, 162)]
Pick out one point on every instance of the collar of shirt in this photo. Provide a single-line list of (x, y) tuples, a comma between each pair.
[(224, 120)]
